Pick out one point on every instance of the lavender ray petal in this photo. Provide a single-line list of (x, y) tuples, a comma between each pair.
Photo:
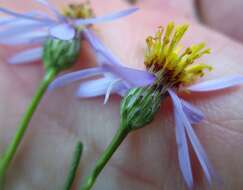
[(105, 18), (6, 20), (28, 38), (93, 88), (182, 146), (51, 8), (25, 16), (13, 31), (201, 155), (217, 84), (63, 32), (75, 76), (104, 55), (26, 56), (13, 21), (193, 114), (136, 78)]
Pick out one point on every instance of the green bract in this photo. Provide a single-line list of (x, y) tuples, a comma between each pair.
[(60, 54), (139, 107)]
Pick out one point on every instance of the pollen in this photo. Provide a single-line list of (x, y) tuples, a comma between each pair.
[(78, 11), (173, 65)]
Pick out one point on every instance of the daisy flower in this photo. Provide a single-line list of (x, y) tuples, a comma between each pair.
[(56, 40), (33, 28), (170, 70)]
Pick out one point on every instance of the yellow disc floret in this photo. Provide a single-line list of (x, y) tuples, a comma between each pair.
[(172, 66), (76, 11)]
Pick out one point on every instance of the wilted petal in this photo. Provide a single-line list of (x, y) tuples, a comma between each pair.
[(136, 78), (193, 114), (75, 76), (63, 32), (217, 84), (25, 16), (201, 155), (181, 140), (28, 38), (105, 18), (111, 87), (26, 56), (94, 88)]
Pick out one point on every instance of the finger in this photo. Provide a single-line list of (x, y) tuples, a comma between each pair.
[(227, 19), (185, 8)]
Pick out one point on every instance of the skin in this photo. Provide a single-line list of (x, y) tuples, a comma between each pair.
[(148, 158)]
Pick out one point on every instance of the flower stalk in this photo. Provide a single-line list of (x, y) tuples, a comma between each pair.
[(58, 55), (74, 166), (138, 109), (119, 137), (24, 123)]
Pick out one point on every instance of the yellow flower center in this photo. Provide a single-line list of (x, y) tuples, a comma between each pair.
[(173, 66), (76, 11)]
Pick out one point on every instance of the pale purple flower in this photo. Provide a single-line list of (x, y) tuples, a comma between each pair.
[(116, 78), (34, 27)]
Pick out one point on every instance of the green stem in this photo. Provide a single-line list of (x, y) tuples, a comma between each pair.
[(23, 125), (74, 166), (121, 134)]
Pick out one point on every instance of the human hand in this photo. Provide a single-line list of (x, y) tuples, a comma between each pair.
[(148, 157)]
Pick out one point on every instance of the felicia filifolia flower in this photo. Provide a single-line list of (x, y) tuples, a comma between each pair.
[(168, 72), (33, 28)]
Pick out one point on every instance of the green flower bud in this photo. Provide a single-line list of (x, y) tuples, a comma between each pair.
[(139, 107), (60, 54)]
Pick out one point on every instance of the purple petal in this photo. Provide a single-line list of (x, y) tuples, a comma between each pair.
[(183, 153), (94, 88), (51, 8), (18, 21), (28, 38), (193, 114), (136, 78), (26, 56), (63, 32), (75, 76), (104, 86), (104, 55), (105, 18), (201, 155), (6, 20), (217, 84), (25, 16), (16, 30)]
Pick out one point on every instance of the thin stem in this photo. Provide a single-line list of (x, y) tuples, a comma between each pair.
[(23, 125), (74, 166), (121, 134)]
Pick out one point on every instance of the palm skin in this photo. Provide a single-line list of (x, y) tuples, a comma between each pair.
[(147, 160)]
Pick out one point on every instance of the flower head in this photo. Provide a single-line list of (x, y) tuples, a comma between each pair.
[(82, 10), (168, 70), (172, 66), (33, 28)]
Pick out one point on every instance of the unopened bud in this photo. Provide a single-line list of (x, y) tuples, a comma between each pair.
[(139, 107), (60, 54)]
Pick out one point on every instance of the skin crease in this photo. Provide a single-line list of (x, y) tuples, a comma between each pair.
[(148, 158)]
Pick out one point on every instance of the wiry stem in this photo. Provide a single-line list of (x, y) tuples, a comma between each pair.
[(23, 125), (74, 166), (121, 134)]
